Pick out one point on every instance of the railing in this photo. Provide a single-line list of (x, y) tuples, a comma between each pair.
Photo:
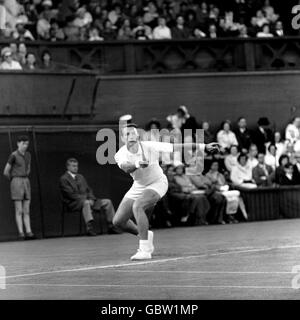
[(205, 55)]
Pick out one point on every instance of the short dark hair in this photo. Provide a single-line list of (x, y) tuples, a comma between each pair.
[(283, 156), (22, 138), (71, 160), (241, 155)]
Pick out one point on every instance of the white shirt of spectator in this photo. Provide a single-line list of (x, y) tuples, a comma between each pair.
[(292, 133), (252, 162), (271, 160), (14, 65), (239, 174), (226, 139), (153, 172), (160, 33), (2, 17)]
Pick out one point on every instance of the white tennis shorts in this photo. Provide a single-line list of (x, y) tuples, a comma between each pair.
[(136, 190)]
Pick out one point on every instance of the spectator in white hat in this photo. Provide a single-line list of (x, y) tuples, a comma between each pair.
[(7, 61)]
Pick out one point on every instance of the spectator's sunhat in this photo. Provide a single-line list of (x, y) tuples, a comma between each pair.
[(263, 121), (20, 21), (47, 3), (5, 51), (126, 118), (183, 109)]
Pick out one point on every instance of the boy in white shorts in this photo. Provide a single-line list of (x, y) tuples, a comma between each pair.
[(141, 160)]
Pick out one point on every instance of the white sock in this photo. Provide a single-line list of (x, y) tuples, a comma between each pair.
[(144, 245)]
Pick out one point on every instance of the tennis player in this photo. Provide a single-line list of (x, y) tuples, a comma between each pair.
[(140, 160)]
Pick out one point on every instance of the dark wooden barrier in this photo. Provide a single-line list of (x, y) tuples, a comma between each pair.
[(272, 202), (204, 55)]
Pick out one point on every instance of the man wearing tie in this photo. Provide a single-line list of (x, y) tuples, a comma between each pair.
[(78, 196)]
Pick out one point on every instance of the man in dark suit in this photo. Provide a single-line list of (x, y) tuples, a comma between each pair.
[(296, 173), (243, 135), (78, 196), (262, 134), (286, 178), (262, 173)]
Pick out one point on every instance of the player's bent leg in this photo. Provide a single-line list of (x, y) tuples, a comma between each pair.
[(147, 200), (121, 219)]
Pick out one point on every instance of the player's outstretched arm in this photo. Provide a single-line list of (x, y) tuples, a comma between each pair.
[(209, 148)]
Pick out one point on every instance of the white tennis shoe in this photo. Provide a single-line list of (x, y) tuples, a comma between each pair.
[(141, 255)]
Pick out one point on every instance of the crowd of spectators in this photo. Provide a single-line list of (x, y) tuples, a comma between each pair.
[(248, 159), (94, 20)]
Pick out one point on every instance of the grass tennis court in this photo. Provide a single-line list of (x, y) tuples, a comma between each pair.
[(243, 261)]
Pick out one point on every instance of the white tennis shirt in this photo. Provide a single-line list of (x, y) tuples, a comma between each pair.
[(152, 173)]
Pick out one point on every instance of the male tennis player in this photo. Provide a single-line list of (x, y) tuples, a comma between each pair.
[(140, 160)]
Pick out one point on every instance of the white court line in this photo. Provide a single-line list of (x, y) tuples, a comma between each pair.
[(144, 286), (205, 272), (147, 262)]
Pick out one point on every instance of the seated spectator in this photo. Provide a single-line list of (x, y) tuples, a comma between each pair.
[(260, 19), (216, 200), (70, 30), (142, 31), (180, 32), (152, 130), (191, 22), (7, 61), (286, 178), (83, 18), (198, 34), (241, 174), (94, 35), (14, 50), (21, 33), (290, 152), (252, 156), (109, 32), (178, 199), (199, 205), (225, 137), (46, 61), (292, 131), (296, 170), (43, 26), (283, 160), (243, 135), (212, 31), (279, 143), (253, 29), (22, 53), (233, 197), (231, 159), (269, 12), (56, 33), (278, 32), (78, 196), (262, 134), (271, 158), (162, 31), (208, 135), (115, 15), (243, 31), (125, 32), (151, 15), (30, 62), (265, 33), (263, 174)]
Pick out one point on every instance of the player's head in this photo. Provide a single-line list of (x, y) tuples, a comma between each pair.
[(72, 165), (23, 143), (130, 133)]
